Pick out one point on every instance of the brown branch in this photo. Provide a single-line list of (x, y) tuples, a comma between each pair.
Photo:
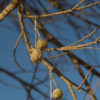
[(78, 4), (56, 56), (85, 78), (14, 52), (61, 12), (90, 5), (28, 44), (59, 6), (90, 91), (83, 46), (59, 74), (85, 37), (8, 9)]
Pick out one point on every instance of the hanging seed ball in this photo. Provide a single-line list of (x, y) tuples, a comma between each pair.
[(57, 93), (36, 56), (42, 44)]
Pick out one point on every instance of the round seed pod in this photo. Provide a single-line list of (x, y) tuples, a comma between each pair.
[(57, 93), (36, 56), (42, 44)]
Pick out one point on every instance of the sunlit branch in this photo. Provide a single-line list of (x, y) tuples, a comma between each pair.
[(85, 37), (61, 12), (8, 9), (85, 78), (83, 46), (78, 4)]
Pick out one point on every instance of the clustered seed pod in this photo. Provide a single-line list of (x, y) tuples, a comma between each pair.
[(42, 44), (36, 56), (57, 93)]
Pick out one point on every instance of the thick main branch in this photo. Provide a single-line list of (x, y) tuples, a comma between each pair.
[(8, 9)]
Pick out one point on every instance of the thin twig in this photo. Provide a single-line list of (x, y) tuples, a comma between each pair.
[(62, 12), (85, 37), (83, 46), (50, 85), (33, 76), (56, 56), (14, 52), (53, 80), (35, 28), (85, 78), (78, 4)]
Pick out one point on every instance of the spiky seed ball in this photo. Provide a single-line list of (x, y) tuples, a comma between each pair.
[(42, 44), (36, 56), (57, 93)]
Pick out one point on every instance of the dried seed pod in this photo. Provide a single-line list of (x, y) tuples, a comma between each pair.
[(57, 93), (36, 56), (42, 44)]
